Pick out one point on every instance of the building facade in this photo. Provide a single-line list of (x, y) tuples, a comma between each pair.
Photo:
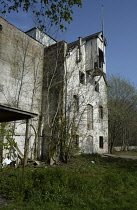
[(65, 84)]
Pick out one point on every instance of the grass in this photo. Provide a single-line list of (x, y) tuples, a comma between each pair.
[(109, 183)]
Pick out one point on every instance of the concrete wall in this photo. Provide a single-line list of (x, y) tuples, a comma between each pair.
[(33, 78), (53, 87), (88, 139), (21, 70)]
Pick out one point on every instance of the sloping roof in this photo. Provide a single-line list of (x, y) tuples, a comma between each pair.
[(93, 36), (36, 28), (8, 114), (72, 45)]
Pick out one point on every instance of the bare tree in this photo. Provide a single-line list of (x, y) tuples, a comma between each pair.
[(122, 101)]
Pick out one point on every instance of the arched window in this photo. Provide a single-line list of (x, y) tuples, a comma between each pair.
[(89, 117), (89, 145)]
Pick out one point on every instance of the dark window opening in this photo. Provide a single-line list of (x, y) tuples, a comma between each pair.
[(76, 103), (101, 58), (95, 65), (96, 86), (82, 77), (76, 140), (101, 112), (0, 27), (89, 78), (101, 142)]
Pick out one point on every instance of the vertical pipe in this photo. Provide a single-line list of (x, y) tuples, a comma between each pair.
[(26, 148), (80, 52)]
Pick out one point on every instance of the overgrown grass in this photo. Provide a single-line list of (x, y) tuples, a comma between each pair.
[(109, 183)]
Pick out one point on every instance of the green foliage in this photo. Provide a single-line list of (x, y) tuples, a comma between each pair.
[(108, 184), (55, 10), (7, 132)]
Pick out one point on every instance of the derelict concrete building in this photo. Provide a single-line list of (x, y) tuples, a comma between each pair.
[(58, 81)]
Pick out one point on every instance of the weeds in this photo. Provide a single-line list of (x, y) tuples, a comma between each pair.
[(87, 182)]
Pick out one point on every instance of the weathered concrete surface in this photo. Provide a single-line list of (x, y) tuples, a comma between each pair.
[(72, 72)]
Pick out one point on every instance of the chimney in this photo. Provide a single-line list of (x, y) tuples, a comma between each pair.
[(80, 45)]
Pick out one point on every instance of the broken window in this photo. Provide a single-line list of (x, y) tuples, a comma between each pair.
[(101, 142), (101, 58), (96, 86), (76, 103), (81, 77), (89, 117), (101, 112)]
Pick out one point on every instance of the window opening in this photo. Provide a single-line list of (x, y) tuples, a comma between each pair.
[(101, 142), (89, 78), (101, 58), (101, 112), (96, 86), (89, 117), (82, 77), (89, 145), (76, 140), (76, 103)]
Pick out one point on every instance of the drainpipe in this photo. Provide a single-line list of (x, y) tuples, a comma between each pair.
[(80, 45)]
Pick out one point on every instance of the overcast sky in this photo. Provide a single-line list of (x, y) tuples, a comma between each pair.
[(120, 18)]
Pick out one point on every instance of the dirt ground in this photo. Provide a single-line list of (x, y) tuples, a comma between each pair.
[(125, 155)]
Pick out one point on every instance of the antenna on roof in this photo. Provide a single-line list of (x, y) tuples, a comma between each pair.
[(103, 22)]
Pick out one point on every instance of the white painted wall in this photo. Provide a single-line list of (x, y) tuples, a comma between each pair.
[(42, 37)]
